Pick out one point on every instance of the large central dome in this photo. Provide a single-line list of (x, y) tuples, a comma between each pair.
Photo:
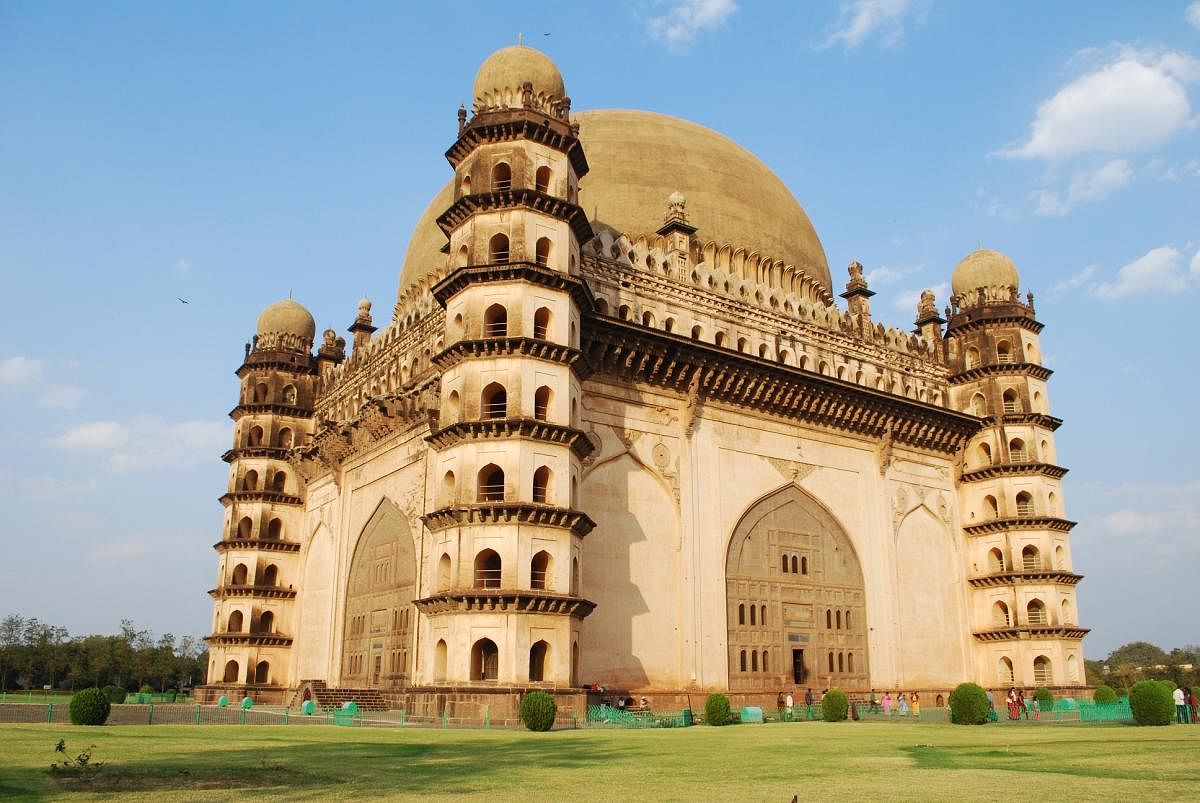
[(639, 158)]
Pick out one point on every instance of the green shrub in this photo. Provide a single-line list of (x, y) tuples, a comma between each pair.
[(90, 707), (115, 694), (1104, 695), (716, 710), (538, 711), (146, 689), (1152, 703), (834, 706), (969, 704), (1045, 698)]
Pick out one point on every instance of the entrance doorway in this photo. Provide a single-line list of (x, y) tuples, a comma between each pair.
[(799, 673)]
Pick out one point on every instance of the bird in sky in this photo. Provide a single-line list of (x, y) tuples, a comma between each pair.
[(181, 301)]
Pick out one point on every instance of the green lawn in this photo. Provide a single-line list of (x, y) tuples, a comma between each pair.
[(748, 762)]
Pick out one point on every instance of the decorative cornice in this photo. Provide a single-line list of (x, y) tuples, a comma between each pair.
[(261, 544), (676, 363), (301, 364), (1056, 576), (531, 513), (1035, 419), (1020, 523), (504, 428), (1013, 469), (510, 125), (535, 348), (975, 318), (257, 592), (252, 639), (531, 272), (268, 408), (499, 600), (1022, 632), (517, 198), (1001, 369), (240, 452), (274, 497)]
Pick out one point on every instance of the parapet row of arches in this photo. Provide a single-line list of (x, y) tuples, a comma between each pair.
[(1019, 451), (1031, 560), (491, 487), (1022, 506), (1010, 402), (488, 571), (1005, 354), (1036, 613)]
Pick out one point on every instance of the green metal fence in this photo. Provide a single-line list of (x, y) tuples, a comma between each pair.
[(607, 716)]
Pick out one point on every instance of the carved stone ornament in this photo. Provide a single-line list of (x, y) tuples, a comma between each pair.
[(792, 470)]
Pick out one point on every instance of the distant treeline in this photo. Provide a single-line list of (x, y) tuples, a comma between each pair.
[(34, 654)]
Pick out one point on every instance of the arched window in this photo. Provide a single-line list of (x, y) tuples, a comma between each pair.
[(1067, 619), (995, 561), (803, 565), (439, 661), (444, 571), (289, 394), (543, 250), (262, 673), (231, 672), (972, 357), (841, 662), (485, 660), (741, 613), (1038, 407), (601, 306), (1024, 504), (266, 622), (541, 179), (1035, 612), (235, 622), (495, 321), (541, 403), (493, 402), (491, 483), (783, 563), (762, 615), (255, 438), (669, 325), (648, 319), (245, 527), (239, 575), (1072, 669), (452, 407), (764, 660), (261, 393), (1016, 451), (284, 438), (541, 485), (487, 569), (795, 565), (1000, 617), (763, 351), (270, 575), (448, 484), (464, 257), (1031, 559), (1060, 558), (537, 661), (847, 620), (979, 405), (275, 530), (501, 177), (741, 344), (498, 249), (838, 620), (850, 662), (1003, 352), (1042, 673), (575, 664), (278, 482), (539, 571), (719, 339), (753, 659), (1012, 403), (541, 323), (990, 507), (829, 619), (574, 576), (985, 454), (697, 332), (1004, 672), (742, 660), (623, 312), (830, 662), (250, 481), (753, 615)]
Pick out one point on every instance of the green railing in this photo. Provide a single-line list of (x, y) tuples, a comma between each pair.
[(607, 716)]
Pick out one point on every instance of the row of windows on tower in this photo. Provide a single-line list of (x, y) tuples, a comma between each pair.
[(1043, 672), (493, 403), (1036, 613), (255, 437), (500, 253), (399, 623), (1005, 354), (1010, 402), (495, 322), (1024, 505), (488, 571), (263, 624), (276, 484), (1018, 452), (259, 673), (397, 663), (245, 530), (502, 179), (490, 486), (485, 661), (1031, 559), (260, 393), (266, 576)]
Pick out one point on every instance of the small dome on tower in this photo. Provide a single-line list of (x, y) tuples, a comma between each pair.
[(984, 268), (287, 317), (505, 72)]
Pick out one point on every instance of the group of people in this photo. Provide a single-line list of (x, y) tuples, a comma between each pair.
[(1018, 706), (904, 704), (1186, 704)]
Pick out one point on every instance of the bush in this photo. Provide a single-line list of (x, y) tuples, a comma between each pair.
[(834, 706), (1045, 698), (1104, 695), (115, 694), (538, 711), (1152, 703), (716, 710), (146, 689), (90, 707), (969, 704)]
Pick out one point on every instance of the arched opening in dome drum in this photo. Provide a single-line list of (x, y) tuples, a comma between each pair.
[(240, 572), (444, 572), (539, 571), (1004, 352), (1035, 612), (541, 485), (487, 569), (231, 672), (234, 625), (262, 673), (250, 481), (537, 661), (270, 576), (485, 660), (669, 325), (541, 323), (495, 321), (491, 483), (719, 339), (448, 488), (1012, 403), (266, 622), (648, 319), (498, 249), (1000, 617), (1031, 559), (995, 560), (543, 250), (623, 312), (697, 332), (493, 402), (439, 661), (542, 178), (541, 403), (501, 177)]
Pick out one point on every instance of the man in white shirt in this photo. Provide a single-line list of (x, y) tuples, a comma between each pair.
[(1181, 709)]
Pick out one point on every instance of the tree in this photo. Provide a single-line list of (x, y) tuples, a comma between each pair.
[(1138, 653)]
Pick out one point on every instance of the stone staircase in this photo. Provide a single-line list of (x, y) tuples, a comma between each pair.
[(325, 697)]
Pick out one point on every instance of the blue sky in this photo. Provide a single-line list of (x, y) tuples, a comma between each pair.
[(228, 153)]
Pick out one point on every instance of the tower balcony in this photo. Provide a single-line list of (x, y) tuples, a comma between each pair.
[(508, 428), (536, 348), (270, 452), (226, 639), (499, 512), (252, 591), (261, 544), (1014, 468), (500, 600), (269, 408), (1031, 631), (275, 497), (1000, 525), (1025, 577)]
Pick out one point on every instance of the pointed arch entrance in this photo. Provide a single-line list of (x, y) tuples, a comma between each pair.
[(795, 599), (379, 609)]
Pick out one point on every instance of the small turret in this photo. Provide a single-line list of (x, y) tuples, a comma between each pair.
[(362, 329)]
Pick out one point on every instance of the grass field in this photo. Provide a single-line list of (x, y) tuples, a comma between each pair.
[(842, 761)]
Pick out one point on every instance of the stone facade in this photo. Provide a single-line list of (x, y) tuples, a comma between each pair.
[(649, 460)]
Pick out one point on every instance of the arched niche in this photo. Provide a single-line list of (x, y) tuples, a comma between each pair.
[(379, 592), (314, 606), (791, 522)]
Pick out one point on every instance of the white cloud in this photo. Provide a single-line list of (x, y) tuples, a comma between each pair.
[(1193, 14), (1087, 186), (686, 19), (1074, 282), (859, 19), (885, 275), (1136, 101), (183, 266), (148, 443), (43, 488), (1158, 271), (20, 371), (61, 397), (909, 299)]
